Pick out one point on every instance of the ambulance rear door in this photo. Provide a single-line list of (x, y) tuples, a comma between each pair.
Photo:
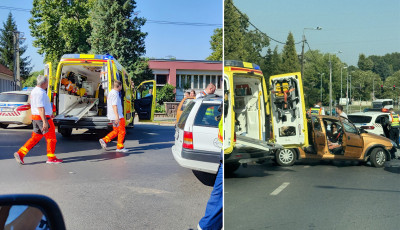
[(289, 120), (145, 102)]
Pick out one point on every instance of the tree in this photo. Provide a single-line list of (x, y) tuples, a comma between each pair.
[(7, 48), (31, 81), (166, 94), (290, 61), (116, 30), (234, 36), (142, 71), (60, 27), (364, 63), (216, 46)]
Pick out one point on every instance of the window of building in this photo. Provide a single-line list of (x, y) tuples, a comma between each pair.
[(161, 79)]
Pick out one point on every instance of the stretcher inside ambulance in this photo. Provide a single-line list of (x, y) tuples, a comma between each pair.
[(259, 119), (79, 92)]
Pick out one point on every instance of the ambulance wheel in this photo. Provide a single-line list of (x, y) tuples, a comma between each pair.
[(285, 157), (4, 126), (65, 132), (378, 157)]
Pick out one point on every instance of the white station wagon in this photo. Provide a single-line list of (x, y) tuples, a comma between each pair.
[(15, 108)]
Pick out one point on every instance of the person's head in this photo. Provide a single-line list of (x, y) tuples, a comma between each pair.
[(339, 109), (319, 103), (210, 88), (151, 91), (117, 85), (192, 93), (334, 127), (187, 94), (42, 81)]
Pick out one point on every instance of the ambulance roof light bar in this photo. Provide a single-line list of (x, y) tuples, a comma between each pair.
[(241, 64)]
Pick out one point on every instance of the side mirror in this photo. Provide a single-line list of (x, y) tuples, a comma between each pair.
[(27, 211)]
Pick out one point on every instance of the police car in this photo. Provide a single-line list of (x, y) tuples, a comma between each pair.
[(15, 108), (196, 137), (372, 122)]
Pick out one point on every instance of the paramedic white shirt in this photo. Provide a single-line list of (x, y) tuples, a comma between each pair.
[(114, 99), (39, 98)]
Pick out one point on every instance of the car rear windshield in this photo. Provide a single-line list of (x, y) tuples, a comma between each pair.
[(185, 115), (359, 119), (207, 115), (8, 97)]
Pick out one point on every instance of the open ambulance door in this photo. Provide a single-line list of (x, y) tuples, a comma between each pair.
[(145, 103), (47, 73), (229, 117), (289, 120)]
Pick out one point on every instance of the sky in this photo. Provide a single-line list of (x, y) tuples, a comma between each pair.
[(371, 27), (163, 40)]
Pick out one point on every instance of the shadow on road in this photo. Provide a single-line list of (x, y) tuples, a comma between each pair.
[(356, 189), (393, 166), (257, 171)]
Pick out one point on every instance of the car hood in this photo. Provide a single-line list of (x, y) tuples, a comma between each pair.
[(370, 137)]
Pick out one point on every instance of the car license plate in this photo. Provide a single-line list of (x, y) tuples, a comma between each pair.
[(7, 110)]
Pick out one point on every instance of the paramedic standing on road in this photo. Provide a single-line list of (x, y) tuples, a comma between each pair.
[(115, 114), (209, 90), (42, 123), (317, 109), (394, 126)]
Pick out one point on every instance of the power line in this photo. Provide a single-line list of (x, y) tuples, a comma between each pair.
[(311, 50), (149, 20), (248, 20)]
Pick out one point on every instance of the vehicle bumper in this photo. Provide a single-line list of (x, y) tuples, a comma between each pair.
[(85, 123), (247, 155), (19, 120), (197, 160)]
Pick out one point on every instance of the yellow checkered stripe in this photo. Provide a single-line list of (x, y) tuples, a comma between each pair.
[(106, 139), (24, 150), (120, 146), (51, 155)]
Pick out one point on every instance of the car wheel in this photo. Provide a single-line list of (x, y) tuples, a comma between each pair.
[(4, 126), (378, 157), (65, 132), (205, 178), (230, 168), (285, 157)]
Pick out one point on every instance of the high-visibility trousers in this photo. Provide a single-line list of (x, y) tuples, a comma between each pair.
[(37, 135), (119, 131)]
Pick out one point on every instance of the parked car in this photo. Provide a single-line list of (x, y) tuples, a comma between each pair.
[(182, 105), (196, 137), (347, 143), (372, 122), (15, 108)]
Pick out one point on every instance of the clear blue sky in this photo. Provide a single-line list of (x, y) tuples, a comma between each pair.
[(182, 42), (371, 27)]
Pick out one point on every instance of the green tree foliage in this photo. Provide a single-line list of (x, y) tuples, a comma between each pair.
[(272, 63), (166, 94), (31, 81), (60, 27), (290, 61), (141, 71), (364, 63), (234, 36), (216, 46), (116, 30), (391, 81), (7, 48)]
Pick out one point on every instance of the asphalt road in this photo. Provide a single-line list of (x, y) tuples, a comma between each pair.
[(316, 195), (95, 189)]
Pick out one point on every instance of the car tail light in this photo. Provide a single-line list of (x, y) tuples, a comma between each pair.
[(23, 107), (234, 137), (187, 140), (384, 110), (368, 127)]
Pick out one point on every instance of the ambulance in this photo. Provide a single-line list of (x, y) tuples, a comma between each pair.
[(79, 92), (261, 121)]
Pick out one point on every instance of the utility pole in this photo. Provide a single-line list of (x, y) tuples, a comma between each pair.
[(302, 48), (16, 72)]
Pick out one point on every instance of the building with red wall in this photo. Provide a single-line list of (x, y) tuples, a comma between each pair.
[(187, 74)]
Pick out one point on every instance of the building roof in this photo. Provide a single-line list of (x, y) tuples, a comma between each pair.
[(6, 71)]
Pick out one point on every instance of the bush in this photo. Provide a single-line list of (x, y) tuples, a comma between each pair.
[(166, 94), (160, 109)]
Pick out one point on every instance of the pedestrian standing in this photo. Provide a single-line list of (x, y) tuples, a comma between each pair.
[(339, 111), (394, 126), (317, 109), (116, 116), (192, 93), (210, 89), (42, 123)]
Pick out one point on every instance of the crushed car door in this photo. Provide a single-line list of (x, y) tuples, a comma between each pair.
[(145, 101), (352, 140), (288, 110), (319, 136)]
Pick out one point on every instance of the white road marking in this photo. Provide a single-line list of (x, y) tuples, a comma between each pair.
[(307, 166), (279, 189)]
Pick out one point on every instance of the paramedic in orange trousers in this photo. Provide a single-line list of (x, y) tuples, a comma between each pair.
[(116, 115), (42, 123)]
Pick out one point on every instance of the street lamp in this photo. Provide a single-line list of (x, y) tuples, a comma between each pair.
[(302, 48), (321, 74), (341, 80), (330, 81)]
